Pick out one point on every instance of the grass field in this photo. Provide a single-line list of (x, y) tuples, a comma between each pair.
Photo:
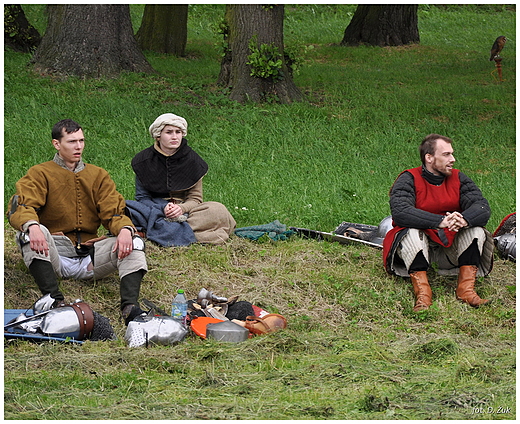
[(353, 348)]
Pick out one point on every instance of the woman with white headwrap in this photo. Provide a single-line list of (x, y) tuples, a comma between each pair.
[(169, 176)]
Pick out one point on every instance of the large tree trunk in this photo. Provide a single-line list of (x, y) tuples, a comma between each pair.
[(386, 25), (262, 25), (164, 28), (91, 40), (19, 34)]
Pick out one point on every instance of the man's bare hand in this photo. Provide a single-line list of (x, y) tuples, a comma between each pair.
[(37, 240), (453, 221), (124, 244)]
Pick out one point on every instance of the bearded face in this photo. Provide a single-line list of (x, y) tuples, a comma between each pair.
[(441, 162)]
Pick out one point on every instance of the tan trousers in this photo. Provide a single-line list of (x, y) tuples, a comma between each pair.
[(445, 257), (211, 222), (105, 261)]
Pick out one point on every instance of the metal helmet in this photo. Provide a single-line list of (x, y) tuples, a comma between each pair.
[(75, 321), (384, 226), (161, 330), (506, 246)]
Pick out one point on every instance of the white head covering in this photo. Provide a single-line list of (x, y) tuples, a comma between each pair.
[(168, 119)]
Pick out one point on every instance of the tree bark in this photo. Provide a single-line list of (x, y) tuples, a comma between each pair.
[(263, 24), (386, 25), (19, 34), (94, 40), (164, 29)]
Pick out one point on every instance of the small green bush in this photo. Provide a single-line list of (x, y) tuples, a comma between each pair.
[(265, 60)]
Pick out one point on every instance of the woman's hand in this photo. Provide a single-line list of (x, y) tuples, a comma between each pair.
[(172, 210)]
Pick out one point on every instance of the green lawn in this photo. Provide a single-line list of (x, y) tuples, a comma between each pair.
[(353, 348)]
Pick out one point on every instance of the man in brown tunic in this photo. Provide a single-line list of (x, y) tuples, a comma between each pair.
[(58, 208)]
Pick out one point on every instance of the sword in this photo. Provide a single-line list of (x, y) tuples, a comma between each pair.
[(331, 237)]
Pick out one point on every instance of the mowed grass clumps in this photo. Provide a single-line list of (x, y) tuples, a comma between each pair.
[(353, 348)]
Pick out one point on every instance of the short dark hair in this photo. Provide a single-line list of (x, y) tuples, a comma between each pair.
[(66, 124), (429, 143)]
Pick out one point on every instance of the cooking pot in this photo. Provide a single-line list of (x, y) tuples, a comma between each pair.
[(227, 331)]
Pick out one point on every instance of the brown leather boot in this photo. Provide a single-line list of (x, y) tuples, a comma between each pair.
[(466, 287), (422, 290)]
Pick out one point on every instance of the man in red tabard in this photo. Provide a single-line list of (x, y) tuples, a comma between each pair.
[(439, 216)]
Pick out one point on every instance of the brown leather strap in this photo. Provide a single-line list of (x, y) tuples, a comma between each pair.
[(259, 325), (252, 325), (85, 318)]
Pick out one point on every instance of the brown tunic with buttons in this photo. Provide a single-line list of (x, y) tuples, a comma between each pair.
[(75, 203)]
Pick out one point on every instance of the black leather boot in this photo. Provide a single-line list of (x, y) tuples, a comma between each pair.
[(129, 289), (45, 278)]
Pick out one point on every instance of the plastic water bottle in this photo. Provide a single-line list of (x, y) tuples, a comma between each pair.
[(180, 306)]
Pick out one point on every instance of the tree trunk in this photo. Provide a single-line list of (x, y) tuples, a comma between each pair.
[(260, 26), (386, 25), (94, 40), (164, 29), (19, 34)]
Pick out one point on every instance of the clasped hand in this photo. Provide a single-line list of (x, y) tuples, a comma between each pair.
[(453, 221), (172, 210)]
